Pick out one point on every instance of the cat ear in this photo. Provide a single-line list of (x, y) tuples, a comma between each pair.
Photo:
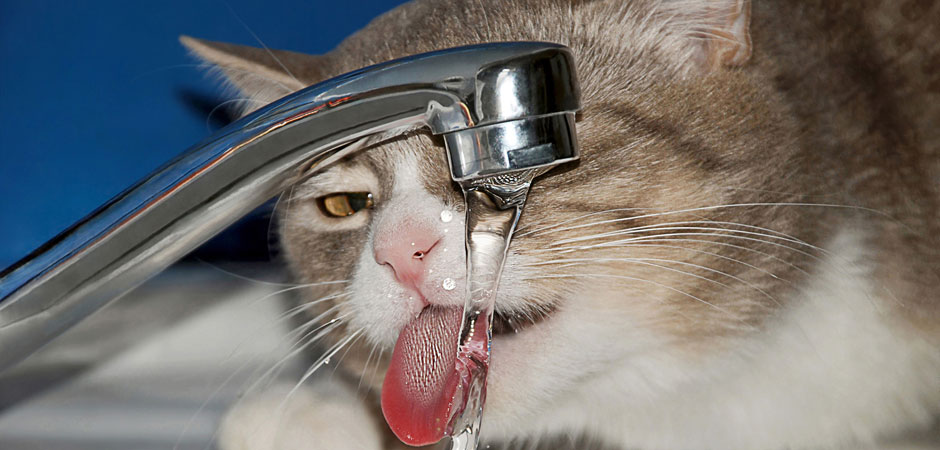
[(259, 74), (718, 29)]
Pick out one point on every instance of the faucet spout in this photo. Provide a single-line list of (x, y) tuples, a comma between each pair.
[(501, 107)]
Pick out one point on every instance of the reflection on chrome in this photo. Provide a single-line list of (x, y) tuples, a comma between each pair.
[(475, 96)]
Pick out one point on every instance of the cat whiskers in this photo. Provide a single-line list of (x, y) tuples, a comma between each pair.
[(669, 238), (304, 286), (239, 100), (297, 310), (721, 232), (325, 359), (262, 44), (270, 371), (653, 262), (308, 333), (520, 233), (764, 232), (365, 368), (677, 232), (375, 368), (629, 278), (312, 336), (274, 213), (709, 232), (307, 329), (557, 226), (265, 282), (304, 330), (713, 254)]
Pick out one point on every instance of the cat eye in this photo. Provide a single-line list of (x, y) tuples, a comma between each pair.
[(345, 203)]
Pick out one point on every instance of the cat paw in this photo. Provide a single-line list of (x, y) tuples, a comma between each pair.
[(325, 415)]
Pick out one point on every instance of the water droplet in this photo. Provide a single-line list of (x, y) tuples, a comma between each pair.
[(449, 284), (327, 360), (446, 216)]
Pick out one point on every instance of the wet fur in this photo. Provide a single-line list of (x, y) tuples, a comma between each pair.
[(825, 334)]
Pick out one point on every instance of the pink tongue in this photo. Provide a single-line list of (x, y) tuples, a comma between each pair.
[(419, 388)]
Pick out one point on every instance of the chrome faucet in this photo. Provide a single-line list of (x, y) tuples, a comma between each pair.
[(501, 108)]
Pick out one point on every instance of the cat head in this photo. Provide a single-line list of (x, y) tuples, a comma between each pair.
[(652, 252)]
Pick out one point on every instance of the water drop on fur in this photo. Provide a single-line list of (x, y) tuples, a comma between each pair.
[(449, 284)]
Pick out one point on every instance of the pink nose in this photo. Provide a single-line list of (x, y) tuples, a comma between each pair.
[(407, 253)]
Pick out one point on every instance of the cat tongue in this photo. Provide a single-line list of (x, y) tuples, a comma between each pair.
[(418, 392)]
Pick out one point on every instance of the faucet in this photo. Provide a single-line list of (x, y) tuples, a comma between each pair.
[(502, 108)]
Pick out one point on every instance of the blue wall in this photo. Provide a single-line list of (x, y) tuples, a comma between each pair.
[(96, 94)]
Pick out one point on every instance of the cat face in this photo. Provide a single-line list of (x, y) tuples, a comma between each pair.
[(654, 251)]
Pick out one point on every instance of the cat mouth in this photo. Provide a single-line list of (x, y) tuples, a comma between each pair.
[(513, 322), (422, 389)]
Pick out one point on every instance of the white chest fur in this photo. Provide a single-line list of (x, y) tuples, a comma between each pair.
[(832, 371)]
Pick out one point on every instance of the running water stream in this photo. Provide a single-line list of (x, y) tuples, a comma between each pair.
[(494, 206)]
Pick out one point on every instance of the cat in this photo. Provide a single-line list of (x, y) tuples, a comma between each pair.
[(745, 257)]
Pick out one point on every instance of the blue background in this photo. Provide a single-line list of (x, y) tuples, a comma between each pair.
[(96, 94)]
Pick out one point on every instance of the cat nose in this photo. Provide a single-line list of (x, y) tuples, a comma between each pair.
[(407, 253)]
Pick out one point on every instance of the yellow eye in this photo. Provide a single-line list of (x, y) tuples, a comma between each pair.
[(345, 203)]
